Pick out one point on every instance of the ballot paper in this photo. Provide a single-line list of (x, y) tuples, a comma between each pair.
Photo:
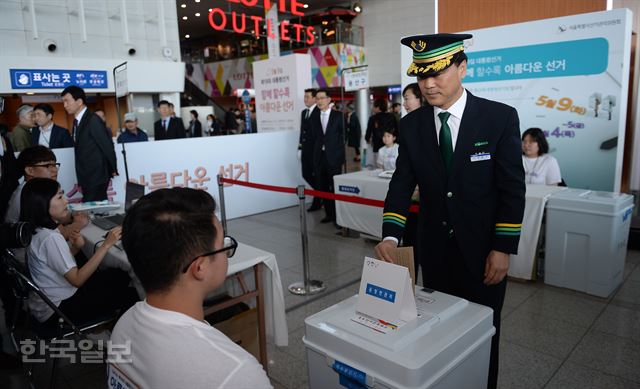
[(386, 293)]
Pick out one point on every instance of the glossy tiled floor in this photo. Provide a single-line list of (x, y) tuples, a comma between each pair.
[(552, 338)]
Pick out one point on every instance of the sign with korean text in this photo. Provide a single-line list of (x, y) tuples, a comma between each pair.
[(57, 78), (568, 76), (355, 79), (263, 158), (386, 293), (280, 84)]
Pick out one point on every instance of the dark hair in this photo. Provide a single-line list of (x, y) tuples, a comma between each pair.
[(459, 58), (194, 113), (34, 155), (313, 91), (76, 92), (34, 202), (171, 105), (166, 229), (395, 105), (539, 138), (163, 102), (391, 131), (211, 116), (381, 104), (46, 108), (415, 89), (323, 90)]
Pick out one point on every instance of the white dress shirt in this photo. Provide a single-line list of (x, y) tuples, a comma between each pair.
[(456, 111), (324, 119), (45, 135)]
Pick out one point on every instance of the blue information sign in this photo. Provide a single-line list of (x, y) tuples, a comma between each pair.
[(57, 78)]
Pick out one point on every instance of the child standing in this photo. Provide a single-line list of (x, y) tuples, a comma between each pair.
[(387, 155)]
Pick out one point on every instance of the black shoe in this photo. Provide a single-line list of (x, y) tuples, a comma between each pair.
[(327, 219), (337, 226), (314, 208)]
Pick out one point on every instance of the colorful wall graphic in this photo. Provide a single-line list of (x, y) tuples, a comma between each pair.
[(222, 78)]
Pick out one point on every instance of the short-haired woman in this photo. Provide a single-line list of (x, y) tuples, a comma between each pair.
[(539, 167)]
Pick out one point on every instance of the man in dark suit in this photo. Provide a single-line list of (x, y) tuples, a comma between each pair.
[(167, 127), (327, 129), (464, 153), (94, 152), (47, 133), (305, 145)]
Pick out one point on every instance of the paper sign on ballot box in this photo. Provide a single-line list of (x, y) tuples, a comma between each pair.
[(386, 292)]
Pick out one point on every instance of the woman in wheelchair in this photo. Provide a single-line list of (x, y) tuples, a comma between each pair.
[(83, 293)]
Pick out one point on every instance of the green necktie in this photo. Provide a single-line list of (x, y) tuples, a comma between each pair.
[(446, 144)]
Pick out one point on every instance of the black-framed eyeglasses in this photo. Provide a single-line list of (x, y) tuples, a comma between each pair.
[(229, 245), (48, 165)]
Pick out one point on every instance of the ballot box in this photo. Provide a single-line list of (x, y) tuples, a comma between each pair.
[(586, 240), (446, 346)]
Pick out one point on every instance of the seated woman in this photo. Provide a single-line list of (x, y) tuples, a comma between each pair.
[(539, 167), (388, 154), (80, 292)]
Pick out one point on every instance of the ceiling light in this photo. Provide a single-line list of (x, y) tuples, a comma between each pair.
[(197, 13), (184, 18), (324, 22), (305, 5), (30, 93), (210, 9), (187, 36), (183, 5), (197, 1), (357, 8)]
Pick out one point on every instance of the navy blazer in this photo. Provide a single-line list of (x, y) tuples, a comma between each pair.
[(480, 203), (94, 152), (174, 130), (60, 137), (331, 141)]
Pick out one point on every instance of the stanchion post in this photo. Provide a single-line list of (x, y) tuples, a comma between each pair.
[(223, 213), (307, 286)]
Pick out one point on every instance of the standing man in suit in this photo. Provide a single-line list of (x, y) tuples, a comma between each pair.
[(47, 133), (305, 145), (328, 148), (94, 151), (464, 152), (167, 127), (21, 134)]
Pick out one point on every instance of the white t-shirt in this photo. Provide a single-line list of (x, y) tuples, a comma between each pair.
[(172, 350), (49, 260), (543, 170), (387, 157)]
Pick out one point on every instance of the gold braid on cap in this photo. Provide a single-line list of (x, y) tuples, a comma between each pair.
[(438, 65)]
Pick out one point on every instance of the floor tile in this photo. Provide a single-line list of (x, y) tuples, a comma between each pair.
[(518, 292), (541, 333), (629, 268), (633, 256), (610, 354), (572, 376), (290, 372), (522, 368), (635, 274), (572, 308), (629, 293), (619, 321)]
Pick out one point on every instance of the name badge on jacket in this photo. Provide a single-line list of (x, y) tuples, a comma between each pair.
[(480, 157)]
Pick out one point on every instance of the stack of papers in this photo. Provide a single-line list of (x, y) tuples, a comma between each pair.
[(94, 206)]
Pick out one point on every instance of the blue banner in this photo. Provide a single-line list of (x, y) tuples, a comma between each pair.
[(559, 59), (381, 293), (57, 78)]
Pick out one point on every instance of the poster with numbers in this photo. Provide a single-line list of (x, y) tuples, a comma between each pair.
[(568, 76)]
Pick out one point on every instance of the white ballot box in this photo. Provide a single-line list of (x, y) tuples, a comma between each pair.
[(586, 240), (446, 346)]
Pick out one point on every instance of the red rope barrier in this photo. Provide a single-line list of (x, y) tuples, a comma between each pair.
[(316, 193)]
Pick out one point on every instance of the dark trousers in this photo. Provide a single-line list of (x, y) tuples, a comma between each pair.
[(95, 193), (308, 174), (452, 277), (324, 178), (104, 292)]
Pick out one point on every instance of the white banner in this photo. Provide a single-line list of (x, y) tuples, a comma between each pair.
[(279, 85), (195, 162), (568, 76)]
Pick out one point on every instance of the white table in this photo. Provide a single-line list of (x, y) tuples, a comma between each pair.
[(358, 217), (521, 265), (268, 286)]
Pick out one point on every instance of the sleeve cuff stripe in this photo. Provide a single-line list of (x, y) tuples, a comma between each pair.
[(394, 218), (508, 225), (394, 222), (397, 215), (507, 229), (507, 233)]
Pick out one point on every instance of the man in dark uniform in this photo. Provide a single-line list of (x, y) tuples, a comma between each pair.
[(465, 154)]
